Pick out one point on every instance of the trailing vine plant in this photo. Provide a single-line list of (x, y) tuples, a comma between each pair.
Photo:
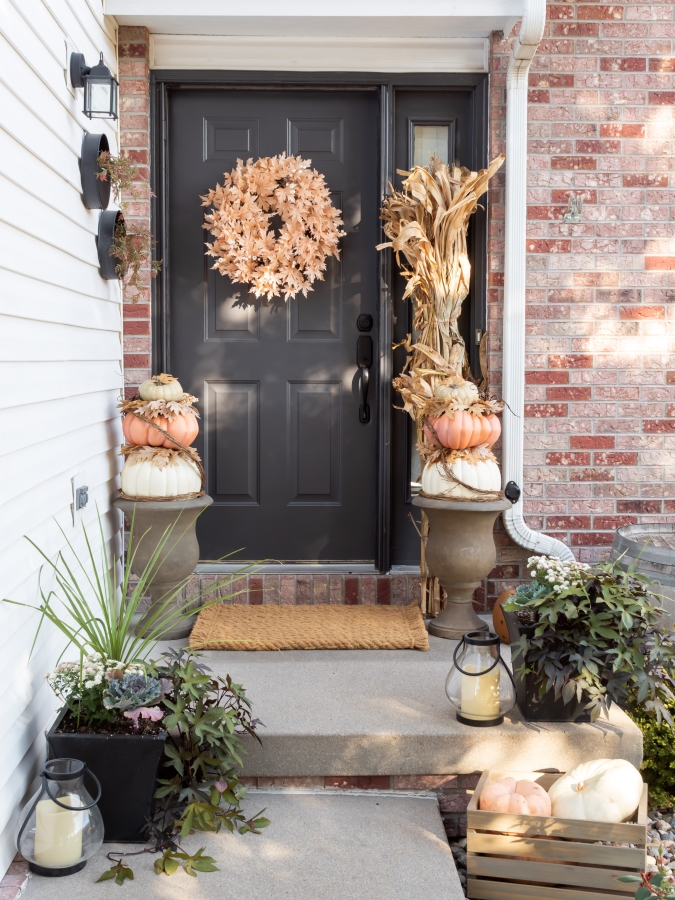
[(133, 241), (198, 785)]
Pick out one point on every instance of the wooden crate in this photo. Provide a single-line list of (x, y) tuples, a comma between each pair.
[(513, 857)]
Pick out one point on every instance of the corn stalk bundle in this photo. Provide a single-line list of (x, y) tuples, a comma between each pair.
[(426, 224)]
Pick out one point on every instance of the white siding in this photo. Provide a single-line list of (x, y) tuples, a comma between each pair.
[(60, 353)]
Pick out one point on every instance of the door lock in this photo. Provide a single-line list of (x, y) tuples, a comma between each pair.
[(364, 360)]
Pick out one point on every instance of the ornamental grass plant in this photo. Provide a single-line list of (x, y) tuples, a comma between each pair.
[(96, 601)]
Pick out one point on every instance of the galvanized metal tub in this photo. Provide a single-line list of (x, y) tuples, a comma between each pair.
[(651, 548)]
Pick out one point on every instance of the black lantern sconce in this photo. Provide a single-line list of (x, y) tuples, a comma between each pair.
[(100, 87), (95, 190), (108, 222)]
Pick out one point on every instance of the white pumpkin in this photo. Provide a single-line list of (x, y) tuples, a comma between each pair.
[(483, 474), (144, 478), (161, 387), (603, 790), (464, 392)]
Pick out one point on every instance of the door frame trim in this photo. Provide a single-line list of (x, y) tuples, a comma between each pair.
[(161, 81)]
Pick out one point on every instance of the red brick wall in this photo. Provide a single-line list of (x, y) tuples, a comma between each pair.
[(135, 143), (600, 414), (600, 396)]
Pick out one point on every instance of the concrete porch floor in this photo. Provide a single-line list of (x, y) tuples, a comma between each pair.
[(336, 847), (384, 712)]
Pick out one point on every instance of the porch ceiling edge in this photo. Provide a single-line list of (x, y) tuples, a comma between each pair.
[(531, 31)]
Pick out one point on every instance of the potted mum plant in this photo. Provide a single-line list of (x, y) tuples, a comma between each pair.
[(115, 700), (584, 637)]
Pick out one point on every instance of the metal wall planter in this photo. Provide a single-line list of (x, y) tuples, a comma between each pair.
[(95, 191), (108, 221)]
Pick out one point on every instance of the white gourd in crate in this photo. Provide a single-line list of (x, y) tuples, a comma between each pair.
[(602, 790), (143, 478), (483, 474)]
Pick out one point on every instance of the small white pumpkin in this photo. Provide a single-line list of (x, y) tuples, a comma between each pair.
[(464, 392), (161, 387), (483, 474), (144, 478), (603, 790)]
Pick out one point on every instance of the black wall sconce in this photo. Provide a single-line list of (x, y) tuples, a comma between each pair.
[(108, 222), (100, 87), (95, 191)]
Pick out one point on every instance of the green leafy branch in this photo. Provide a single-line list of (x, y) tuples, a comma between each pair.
[(658, 884)]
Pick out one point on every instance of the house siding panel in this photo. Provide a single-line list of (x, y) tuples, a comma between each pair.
[(60, 355)]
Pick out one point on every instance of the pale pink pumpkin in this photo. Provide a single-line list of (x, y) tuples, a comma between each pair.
[(183, 428), (517, 797), (460, 429)]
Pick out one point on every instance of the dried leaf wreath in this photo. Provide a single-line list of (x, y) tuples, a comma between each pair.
[(246, 247)]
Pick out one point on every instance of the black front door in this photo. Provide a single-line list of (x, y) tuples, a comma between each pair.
[(290, 465)]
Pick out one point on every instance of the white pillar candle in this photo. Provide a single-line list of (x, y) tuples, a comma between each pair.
[(58, 833), (480, 693)]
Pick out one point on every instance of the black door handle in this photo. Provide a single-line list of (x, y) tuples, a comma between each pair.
[(364, 360)]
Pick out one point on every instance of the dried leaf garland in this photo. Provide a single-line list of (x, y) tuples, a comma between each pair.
[(246, 248), (151, 409), (159, 456)]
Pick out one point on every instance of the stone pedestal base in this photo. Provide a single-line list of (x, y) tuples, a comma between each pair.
[(460, 553), (178, 557)]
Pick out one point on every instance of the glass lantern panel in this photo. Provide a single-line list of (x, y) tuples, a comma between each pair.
[(98, 98), (429, 140)]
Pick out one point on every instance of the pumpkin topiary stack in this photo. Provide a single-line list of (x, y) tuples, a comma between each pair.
[(160, 424), (426, 224)]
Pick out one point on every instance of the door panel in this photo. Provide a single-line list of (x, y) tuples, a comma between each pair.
[(291, 469), (231, 412)]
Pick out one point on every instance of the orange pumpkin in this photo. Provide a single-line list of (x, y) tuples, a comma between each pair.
[(183, 428), (525, 798), (499, 626), (461, 429)]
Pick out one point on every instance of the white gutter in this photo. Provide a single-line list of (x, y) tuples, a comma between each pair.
[(513, 367)]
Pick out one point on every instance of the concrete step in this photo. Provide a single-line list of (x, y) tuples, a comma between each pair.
[(328, 846), (384, 712)]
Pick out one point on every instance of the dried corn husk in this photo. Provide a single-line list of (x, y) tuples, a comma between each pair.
[(426, 223)]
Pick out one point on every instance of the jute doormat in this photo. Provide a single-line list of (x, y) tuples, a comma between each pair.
[(239, 627)]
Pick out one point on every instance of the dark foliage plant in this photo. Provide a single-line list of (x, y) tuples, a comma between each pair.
[(597, 636), (198, 786)]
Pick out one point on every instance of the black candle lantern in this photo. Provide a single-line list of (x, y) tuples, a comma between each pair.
[(100, 87), (479, 685), (61, 826)]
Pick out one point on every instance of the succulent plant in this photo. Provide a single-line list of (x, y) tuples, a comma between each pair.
[(131, 691)]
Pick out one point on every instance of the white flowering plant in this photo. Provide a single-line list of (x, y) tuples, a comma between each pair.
[(98, 691), (595, 636)]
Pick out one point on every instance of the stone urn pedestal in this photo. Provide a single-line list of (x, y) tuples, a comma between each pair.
[(179, 555), (460, 553)]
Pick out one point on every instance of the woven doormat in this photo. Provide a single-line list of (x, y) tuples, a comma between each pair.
[(238, 627)]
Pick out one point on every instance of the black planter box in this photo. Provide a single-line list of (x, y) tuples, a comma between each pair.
[(536, 708), (126, 765)]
